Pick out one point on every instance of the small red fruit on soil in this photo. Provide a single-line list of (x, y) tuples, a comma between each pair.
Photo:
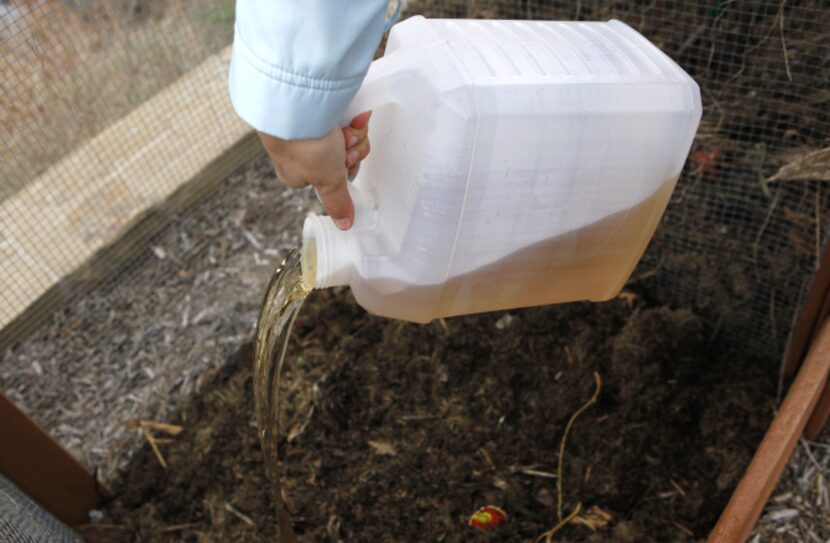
[(487, 517)]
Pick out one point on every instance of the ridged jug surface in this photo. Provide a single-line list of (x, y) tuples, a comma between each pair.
[(513, 163)]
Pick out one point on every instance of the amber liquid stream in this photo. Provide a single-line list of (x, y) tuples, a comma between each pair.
[(283, 300)]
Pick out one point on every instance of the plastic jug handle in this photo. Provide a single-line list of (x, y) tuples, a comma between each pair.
[(386, 82)]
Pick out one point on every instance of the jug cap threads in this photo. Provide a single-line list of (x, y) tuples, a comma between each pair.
[(333, 248)]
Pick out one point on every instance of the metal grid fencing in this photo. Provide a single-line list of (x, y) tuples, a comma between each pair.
[(103, 109), (70, 68), (742, 235), (740, 238)]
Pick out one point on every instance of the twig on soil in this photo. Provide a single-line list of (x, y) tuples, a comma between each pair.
[(568, 427), (238, 514), (677, 487), (152, 441), (683, 529), (537, 473), (177, 527), (547, 536), (171, 429), (333, 528), (146, 426)]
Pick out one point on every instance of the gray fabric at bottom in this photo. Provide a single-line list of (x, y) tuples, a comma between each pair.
[(24, 521)]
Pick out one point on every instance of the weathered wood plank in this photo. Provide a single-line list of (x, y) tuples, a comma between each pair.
[(95, 208), (44, 470)]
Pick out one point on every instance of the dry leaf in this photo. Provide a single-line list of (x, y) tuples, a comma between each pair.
[(594, 518), (707, 159), (383, 448), (814, 165)]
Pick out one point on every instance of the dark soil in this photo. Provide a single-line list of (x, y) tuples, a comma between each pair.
[(459, 416)]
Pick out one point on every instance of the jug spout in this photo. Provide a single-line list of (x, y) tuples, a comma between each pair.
[(327, 253)]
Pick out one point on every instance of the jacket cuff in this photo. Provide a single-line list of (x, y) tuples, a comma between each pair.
[(287, 105)]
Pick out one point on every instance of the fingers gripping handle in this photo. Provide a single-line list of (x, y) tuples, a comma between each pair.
[(386, 82)]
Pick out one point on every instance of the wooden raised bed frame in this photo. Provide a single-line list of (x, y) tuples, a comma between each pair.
[(804, 411)]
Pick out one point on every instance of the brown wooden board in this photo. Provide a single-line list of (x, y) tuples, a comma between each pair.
[(45, 471), (751, 495), (818, 420), (813, 313)]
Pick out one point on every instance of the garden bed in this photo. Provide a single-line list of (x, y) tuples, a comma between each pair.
[(399, 431)]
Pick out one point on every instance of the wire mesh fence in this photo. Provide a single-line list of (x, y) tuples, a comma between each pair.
[(742, 234), (70, 68), (104, 112), (739, 241)]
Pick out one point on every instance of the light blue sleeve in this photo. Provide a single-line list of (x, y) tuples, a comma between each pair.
[(296, 64)]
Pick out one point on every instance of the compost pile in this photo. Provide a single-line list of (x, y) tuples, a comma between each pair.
[(398, 432)]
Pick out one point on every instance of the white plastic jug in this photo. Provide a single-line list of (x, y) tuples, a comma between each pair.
[(513, 163)]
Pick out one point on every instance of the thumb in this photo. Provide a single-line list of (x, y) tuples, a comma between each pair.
[(338, 203)]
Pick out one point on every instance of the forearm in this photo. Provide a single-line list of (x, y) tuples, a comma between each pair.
[(297, 65)]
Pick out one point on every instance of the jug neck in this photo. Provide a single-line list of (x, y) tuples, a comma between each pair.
[(327, 253)]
